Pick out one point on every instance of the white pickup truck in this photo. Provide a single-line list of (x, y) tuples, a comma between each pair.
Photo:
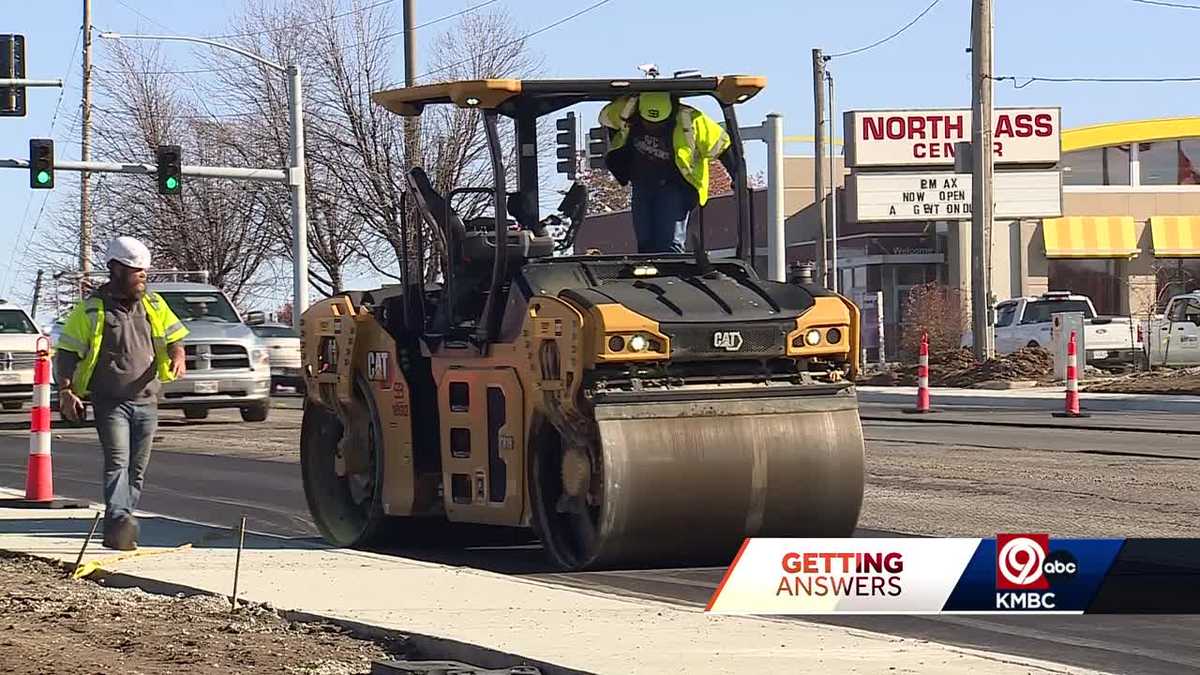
[(1025, 322), (1174, 337)]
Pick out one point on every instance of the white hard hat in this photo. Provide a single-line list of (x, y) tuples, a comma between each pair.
[(129, 252)]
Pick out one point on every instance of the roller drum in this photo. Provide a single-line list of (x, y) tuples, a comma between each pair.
[(684, 481)]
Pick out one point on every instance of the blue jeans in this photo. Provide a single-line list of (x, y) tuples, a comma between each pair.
[(126, 431), (660, 216)]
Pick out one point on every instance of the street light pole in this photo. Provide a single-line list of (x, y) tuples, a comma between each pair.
[(296, 170)]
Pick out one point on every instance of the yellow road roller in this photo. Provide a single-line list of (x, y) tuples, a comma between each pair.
[(632, 410)]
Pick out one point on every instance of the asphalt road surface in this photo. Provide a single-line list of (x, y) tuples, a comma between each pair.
[(924, 478)]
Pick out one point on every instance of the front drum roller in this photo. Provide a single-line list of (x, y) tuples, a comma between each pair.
[(685, 481), (342, 473)]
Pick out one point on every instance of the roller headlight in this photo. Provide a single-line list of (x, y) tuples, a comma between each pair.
[(813, 337), (638, 343), (833, 335), (616, 343)]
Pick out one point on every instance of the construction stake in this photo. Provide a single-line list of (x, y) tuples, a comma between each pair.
[(88, 540), (237, 567)]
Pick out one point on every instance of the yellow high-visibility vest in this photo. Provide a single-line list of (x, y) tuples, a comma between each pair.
[(83, 334), (696, 139)]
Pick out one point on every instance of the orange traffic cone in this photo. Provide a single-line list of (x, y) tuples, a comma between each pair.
[(922, 378), (1072, 402), (39, 480)]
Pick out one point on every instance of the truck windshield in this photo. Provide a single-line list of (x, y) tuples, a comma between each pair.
[(15, 321), (201, 306), (1040, 312)]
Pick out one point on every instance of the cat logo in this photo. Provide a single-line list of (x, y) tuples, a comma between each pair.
[(729, 340), (377, 366)]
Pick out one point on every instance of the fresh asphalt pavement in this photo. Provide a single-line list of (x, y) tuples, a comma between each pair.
[(907, 494)]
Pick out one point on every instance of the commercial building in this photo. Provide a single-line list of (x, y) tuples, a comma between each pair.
[(1128, 234)]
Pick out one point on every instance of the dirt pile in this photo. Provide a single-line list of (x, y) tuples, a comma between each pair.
[(960, 369), (1182, 381), (50, 623)]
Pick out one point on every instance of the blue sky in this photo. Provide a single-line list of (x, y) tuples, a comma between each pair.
[(926, 66)]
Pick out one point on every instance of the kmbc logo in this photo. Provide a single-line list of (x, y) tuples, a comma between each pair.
[(1020, 562), (1027, 571)]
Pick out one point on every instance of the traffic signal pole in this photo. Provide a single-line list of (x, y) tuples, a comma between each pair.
[(137, 168)]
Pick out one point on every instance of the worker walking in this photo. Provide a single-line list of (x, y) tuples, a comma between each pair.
[(117, 347), (663, 148)]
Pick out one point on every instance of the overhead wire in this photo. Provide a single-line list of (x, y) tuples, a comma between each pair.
[(8, 274), (389, 36), (524, 37), (1030, 79), (1164, 3), (888, 38)]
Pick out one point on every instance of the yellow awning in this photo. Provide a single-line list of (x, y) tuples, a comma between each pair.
[(1090, 237), (1176, 236)]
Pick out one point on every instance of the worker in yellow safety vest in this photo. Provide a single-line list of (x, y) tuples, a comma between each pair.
[(118, 345), (663, 148)]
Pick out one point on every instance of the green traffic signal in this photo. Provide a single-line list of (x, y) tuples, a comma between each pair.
[(43, 177), (172, 183)]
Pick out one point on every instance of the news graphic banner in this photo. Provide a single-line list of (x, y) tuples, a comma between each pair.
[(1010, 573)]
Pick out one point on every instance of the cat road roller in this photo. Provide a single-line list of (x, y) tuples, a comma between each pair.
[(631, 410)]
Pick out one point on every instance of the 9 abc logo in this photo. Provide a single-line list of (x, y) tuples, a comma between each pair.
[(1024, 562)]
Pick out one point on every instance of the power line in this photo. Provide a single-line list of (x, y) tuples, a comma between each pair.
[(299, 25), (1163, 3), (1028, 80), (28, 202), (898, 32), (389, 36), (524, 37)]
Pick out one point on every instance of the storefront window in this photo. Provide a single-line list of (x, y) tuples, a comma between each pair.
[(1100, 280), (1099, 166), (1175, 276), (1170, 162)]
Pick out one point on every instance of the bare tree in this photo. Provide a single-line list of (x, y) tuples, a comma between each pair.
[(214, 225)]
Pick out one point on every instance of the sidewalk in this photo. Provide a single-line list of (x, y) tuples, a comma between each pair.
[(476, 614)]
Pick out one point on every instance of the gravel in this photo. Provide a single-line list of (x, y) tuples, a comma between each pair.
[(52, 624), (960, 369)]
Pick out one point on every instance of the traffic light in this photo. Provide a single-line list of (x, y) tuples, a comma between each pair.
[(169, 171), (41, 163), (597, 147), (12, 67), (568, 131)]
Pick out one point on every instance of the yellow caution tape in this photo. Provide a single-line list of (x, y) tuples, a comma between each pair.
[(92, 565)]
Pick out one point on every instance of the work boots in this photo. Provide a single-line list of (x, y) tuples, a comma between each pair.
[(121, 534)]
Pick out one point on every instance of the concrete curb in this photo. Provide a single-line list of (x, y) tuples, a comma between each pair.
[(425, 647), (1045, 399)]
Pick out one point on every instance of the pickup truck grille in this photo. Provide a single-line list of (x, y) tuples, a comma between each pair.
[(17, 360), (216, 357)]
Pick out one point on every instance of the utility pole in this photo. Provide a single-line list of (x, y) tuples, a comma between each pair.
[(85, 144), (818, 64), (834, 283), (411, 151), (37, 293), (981, 175)]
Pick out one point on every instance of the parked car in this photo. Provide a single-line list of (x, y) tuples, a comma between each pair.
[(283, 347), (18, 353), (1174, 337), (1109, 341)]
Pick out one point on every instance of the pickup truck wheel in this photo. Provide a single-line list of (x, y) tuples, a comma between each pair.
[(195, 413), (255, 413)]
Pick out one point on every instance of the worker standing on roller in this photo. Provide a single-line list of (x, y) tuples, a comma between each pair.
[(663, 147), (117, 346)]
